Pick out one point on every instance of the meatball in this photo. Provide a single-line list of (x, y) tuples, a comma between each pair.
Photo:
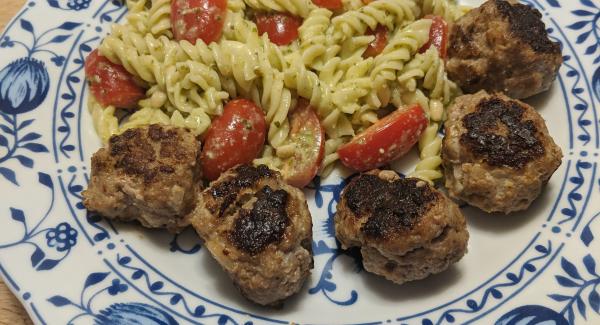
[(259, 229), (497, 153), (150, 174), (504, 47), (406, 229)]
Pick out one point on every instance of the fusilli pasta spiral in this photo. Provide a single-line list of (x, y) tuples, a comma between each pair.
[(389, 13), (300, 8), (447, 9)]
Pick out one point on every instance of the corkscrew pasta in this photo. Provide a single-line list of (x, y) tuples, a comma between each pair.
[(187, 85)]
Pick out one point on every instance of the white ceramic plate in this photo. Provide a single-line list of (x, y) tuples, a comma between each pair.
[(68, 266)]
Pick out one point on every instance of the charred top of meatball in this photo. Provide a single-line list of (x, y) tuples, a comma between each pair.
[(395, 206), (226, 192), (134, 154), (526, 24), (497, 133), (265, 221), (255, 229)]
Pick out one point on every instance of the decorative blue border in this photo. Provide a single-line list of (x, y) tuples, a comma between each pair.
[(568, 211)]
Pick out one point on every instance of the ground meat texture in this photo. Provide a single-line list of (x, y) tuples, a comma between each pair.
[(149, 174), (394, 206), (254, 229), (259, 230), (502, 46), (224, 193), (517, 146), (497, 153), (406, 230)]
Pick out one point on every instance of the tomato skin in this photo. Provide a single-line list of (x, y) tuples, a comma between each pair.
[(308, 135), (198, 19), (386, 140), (110, 83), (438, 36), (281, 28), (329, 4), (379, 43), (234, 138)]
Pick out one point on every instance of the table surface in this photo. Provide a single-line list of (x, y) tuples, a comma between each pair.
[(11, 311)]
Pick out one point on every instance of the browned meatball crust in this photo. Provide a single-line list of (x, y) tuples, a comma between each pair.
[(497, 153), (259, 229), (149, 174), (406, 229), (502, 46)]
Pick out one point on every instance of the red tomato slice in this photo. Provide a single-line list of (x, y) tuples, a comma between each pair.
[(110, 83), (281, 28), (198, 19), (234, 138), (386, 140), (329, 4), (438, 36), (380, 41), (308, 136)]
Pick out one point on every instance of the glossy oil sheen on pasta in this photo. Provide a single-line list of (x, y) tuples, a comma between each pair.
[(189, 83)]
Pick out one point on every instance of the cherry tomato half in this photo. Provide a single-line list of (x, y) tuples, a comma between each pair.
[(329, 4), (386, 140), (308, 137), (438, 36), (110, 83), (236, 137), (281, 28), (379, 43), (198, 19)]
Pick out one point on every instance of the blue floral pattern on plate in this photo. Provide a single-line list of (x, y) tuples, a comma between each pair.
[(24, 85), (70, 266)]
